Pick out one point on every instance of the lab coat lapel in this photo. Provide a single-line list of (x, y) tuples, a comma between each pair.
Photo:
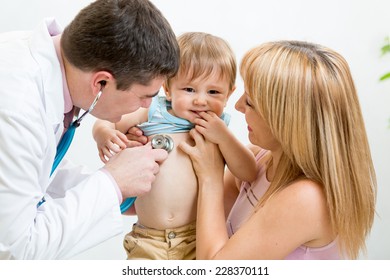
[(43, 51)]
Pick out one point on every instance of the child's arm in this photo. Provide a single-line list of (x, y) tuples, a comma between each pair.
[(239, 159), (132, 119), (110, 138)]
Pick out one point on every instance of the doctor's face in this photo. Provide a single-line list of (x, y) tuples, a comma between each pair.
[(115, 103)]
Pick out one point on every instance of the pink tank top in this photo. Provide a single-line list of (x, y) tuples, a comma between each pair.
[(249, 195)]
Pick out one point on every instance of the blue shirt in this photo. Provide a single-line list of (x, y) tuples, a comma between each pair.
[(161, 121)]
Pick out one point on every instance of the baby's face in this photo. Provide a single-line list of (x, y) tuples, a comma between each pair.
[(189, 97)]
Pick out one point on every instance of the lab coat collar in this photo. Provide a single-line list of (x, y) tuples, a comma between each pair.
[(68, 106), (43, 51)]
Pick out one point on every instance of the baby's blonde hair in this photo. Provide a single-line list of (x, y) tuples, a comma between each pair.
[(306, 95), (202, 54)]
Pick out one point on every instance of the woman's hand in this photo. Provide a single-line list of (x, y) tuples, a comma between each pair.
[(206, 157), (209, 166)]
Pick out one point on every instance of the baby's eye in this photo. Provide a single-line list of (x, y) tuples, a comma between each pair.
[(213, 91), (189, 89)]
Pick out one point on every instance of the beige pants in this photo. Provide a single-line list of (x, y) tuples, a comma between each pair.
[(169, 244)]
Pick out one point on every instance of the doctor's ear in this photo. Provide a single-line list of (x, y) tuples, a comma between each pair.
[(103, 84), (101, 79)]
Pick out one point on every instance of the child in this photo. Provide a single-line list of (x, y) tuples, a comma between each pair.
[(202, 86)]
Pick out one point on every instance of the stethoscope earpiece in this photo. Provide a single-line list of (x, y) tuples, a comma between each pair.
[(94, 102)]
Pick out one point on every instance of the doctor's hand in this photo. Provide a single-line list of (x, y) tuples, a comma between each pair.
[(134, 169)]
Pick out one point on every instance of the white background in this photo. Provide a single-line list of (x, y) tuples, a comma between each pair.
[(354, 28)]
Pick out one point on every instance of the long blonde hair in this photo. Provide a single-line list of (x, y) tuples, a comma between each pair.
[(306, 95)]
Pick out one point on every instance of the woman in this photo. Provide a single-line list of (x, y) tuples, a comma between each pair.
[(314, 196)]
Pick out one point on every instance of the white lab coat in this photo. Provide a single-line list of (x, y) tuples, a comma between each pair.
[(81, 209)]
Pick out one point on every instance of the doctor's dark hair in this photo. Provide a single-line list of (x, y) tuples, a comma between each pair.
[(131, 39)]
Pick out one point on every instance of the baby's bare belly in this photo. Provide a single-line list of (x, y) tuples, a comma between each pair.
[(172, 201)]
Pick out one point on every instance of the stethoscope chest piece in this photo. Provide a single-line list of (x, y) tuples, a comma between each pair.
[(162, 142)]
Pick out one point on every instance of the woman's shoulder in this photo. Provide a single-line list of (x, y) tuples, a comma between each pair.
[(257, 151), (305, 191), (296, 215), (303, 199), (303, 206), (311, 206)]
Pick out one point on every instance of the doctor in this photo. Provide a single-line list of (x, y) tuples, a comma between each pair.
[(120, 50)]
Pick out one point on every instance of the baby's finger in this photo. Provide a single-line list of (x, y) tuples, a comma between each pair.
[(208, 115), (200, 129), (122, 140), (200, 122), (102, 157), (115, 147), (107, 153)]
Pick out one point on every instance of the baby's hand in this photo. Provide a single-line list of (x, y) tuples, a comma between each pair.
[(111, 142), (211, 126)]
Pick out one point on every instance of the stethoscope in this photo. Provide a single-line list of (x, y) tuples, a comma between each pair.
[(67, 138), (158, 141)]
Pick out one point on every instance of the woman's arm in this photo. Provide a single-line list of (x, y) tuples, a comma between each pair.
[(209, 166), (297, 215)]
